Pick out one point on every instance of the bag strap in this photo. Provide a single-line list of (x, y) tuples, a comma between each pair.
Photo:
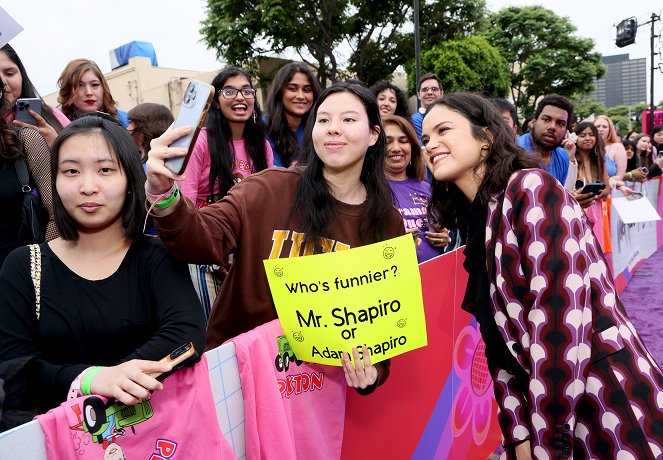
[(35, 274), (22, 173)]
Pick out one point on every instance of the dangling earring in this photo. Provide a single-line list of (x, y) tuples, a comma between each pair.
[(254, 116)]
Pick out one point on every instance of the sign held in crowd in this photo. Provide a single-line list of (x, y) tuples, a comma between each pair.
[(368, 296)]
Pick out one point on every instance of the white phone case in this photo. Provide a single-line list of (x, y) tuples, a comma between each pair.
[(197, 99)]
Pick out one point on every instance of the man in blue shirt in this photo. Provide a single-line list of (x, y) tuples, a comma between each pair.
[(547, 136), (429, 89)]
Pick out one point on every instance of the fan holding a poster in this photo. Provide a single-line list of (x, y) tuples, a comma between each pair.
[(340, 200)]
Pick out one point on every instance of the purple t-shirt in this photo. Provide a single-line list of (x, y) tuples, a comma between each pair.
[(411, 198)]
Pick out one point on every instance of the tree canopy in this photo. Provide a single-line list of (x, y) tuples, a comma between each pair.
[(467, 64), (370, 38), (544, 55)]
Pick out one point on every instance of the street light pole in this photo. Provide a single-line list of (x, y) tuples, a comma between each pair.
[(654, 18)]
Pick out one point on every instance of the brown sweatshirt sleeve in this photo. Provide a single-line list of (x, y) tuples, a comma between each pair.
[(203, 236)]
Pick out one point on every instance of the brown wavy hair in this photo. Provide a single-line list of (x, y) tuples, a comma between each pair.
[(415, 168), (448, 204), (69, 81)]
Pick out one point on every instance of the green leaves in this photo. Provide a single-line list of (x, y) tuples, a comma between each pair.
[(543, 54), (467, 64)]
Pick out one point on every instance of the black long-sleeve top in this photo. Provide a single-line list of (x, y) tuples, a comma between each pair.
[(144, 310)]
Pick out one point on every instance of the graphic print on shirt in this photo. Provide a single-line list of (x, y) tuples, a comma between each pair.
[(297, 383), (280, 238), (106, 422), (414, 216)]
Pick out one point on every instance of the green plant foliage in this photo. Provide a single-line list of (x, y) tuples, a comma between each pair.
[(543, 54), (467, 64)]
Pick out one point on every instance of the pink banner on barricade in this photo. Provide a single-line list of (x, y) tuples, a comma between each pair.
[(438, 402)]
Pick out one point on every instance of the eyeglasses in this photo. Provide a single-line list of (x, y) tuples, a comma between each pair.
[(432, 89), (231, 93)]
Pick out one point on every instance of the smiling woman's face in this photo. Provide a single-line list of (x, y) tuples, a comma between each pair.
[(452, 152)]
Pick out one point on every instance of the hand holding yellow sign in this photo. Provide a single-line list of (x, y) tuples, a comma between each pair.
[(371, 295)]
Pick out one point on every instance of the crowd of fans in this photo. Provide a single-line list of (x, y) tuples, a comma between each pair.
[(321, 170)]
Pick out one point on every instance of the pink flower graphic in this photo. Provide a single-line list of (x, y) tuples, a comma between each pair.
[(473, 403)]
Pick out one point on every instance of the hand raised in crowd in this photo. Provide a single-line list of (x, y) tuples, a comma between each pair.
[(438, 237), (362, 374), (570, 146), (585, 200), (160, 179), (129, 382), (47, 131)]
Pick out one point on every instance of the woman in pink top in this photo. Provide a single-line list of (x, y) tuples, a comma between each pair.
[(232, 145)]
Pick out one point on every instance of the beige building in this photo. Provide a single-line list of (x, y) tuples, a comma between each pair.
[(139, 82)]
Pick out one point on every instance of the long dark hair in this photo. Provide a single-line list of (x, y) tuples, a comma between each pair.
[(219, 137), (402, 109), (285, 142), (124, 149), (9, 145), (448, 204), (597, 156), (28, 90), (315, 207), (659, 147)]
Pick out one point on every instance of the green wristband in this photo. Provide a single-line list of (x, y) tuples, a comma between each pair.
[(170, 200), (630, 175), (87, 380)]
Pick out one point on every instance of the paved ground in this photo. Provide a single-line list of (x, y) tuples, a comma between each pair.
[(643, 300)]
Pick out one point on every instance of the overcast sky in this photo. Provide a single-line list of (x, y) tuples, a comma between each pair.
[(58, 31)]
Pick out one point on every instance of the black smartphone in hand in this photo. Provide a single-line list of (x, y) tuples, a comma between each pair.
[(177, 358), (596, 188)]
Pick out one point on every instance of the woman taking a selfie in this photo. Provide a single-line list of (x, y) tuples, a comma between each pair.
[(571, 375), (102, 294), (340, 200)]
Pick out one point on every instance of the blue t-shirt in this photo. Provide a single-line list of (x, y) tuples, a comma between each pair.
[(417, 119), (299, 135), (559, 163)]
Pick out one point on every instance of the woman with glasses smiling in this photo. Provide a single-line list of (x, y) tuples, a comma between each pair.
[(231, 146)]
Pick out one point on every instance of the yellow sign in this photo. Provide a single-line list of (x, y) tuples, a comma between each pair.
[(370, 295)]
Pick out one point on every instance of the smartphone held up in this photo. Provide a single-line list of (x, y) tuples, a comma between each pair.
[(23, 107), (195, 104)]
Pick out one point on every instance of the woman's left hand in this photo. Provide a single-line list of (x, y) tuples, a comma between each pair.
[(362, 374), (47, 131), (438, 238)]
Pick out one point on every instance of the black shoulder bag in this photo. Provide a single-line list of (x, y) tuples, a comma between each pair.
[(34, 217)]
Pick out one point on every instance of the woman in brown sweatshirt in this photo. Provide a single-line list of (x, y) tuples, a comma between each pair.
[(338, 201)]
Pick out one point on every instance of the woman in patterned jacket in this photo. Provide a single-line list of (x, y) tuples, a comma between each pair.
[(572, 377)]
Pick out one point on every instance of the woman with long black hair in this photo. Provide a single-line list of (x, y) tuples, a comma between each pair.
[(340, 200), (291, 97), (230, 147)]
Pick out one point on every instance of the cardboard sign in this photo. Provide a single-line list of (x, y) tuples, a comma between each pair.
[(330, 303)]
